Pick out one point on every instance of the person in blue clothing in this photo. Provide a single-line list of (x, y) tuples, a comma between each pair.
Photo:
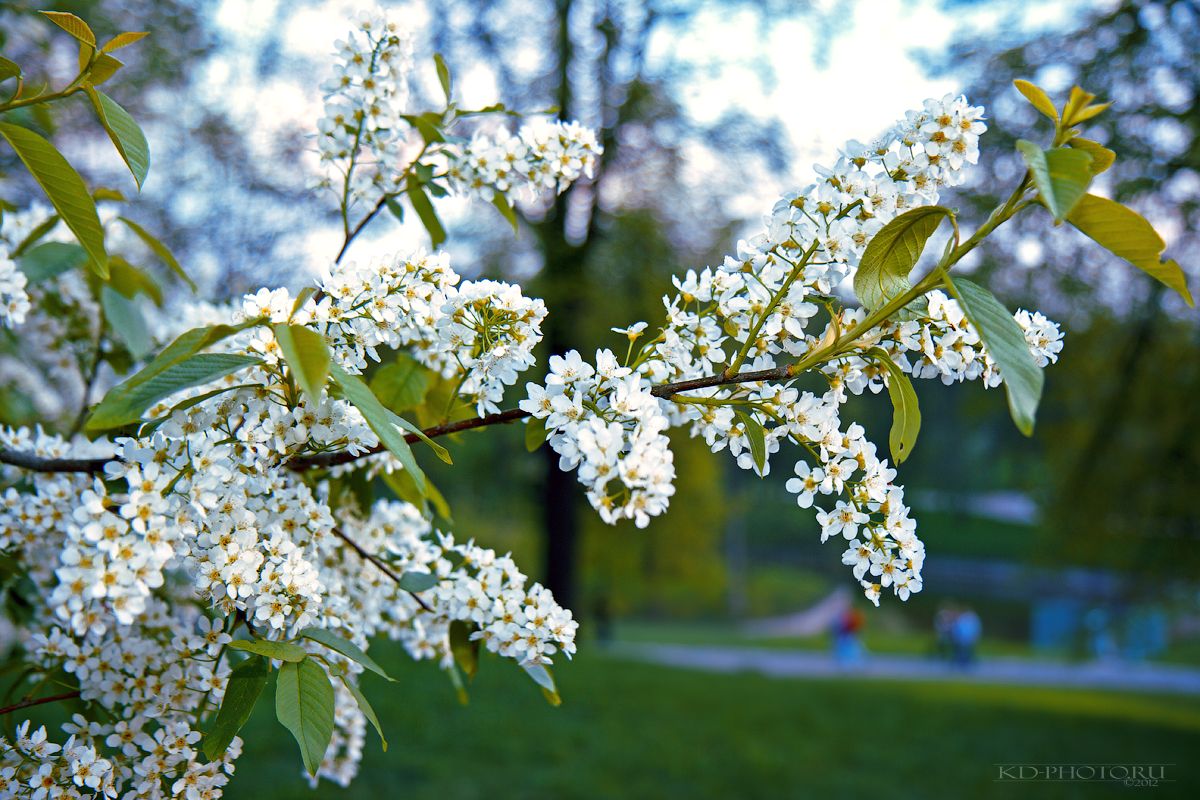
[(965, 632)]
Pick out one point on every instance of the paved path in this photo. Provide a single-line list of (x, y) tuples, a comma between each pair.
[(1138, 677)]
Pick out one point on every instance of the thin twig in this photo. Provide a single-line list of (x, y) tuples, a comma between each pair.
[(27, 703), (379, 563)]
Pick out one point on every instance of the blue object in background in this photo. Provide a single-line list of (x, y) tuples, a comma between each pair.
[(1146, 633), (1054, 624)]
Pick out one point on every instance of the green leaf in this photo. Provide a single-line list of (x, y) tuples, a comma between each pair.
[(160, 251), (304, 705), (72, 25), (179, 366), (394, 207), (429, 131), (35, 236), (400, 482), (64, 188), (127, 321), (246, 683), (544, 678), (401, 385), (103, 68), (363, 705), (535, 433), (891, 254), (345, 647), (1061, 174), (424, 208), (906, 415), (500, 201), (103, 193), (1102, 157), (1005, 340), (129, 280), (301, 299), (51, 259), (307, 355), (465, 650), (456, 679), (1040, 100), (443, 73), (124, 132), (380, 420), (418, 581), (756, 437), (9, 69), (438, 450), (284, 651), (1128, 235), (121, 40)]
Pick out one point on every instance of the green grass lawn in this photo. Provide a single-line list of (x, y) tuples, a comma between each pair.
[(628, 730)]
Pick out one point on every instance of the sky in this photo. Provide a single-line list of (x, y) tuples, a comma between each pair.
[(844, 71)]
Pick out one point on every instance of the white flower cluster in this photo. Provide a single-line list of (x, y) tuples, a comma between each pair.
[(543, 155), (362, 133), (605, 421), (14, 300)]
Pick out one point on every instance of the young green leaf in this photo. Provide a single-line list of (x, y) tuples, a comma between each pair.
[(307, 355), (160, 251), (535, 433), (64, 188), (359, 394), (121, 40), (345, 647), (104, 193), (35, 236), (9, 69), (413, 581), (127, 321), (891, 254), (124, 132), (438, 450), (906, 415), (103, 68), (304, 705), (394, 207), (51, 259), (363, 705), (500, 201), (1102, 157), (129, 280), (544, 678), (757, 438), (429, 130), (1061, 174), (1005, 340), (443, 73), (1128, 235), (284, 651), (1040, 100), (464, 648), (72, 25), (424, 208), (401, 385), (246, 682)]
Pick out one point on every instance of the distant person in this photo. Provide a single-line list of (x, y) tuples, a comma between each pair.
[(966, 632), (847, 649), (943, 628)]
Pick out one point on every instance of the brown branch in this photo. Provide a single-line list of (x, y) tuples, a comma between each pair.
[(377, 562), (27, 703), (39, 464)]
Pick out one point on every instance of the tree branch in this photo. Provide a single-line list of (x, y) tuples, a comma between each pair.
[(383, 567), (27, 703)]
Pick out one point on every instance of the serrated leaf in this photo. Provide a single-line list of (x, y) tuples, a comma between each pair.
[(283, 651), (127, 321), (35, 236), (418, 581), (307, 355), (535, 433), (304, 703), (438, 450), (72, 25), (424, 208), (246, 682), (757, 438), (1005, 340), (121, 40), (545, 679), (360, 395), (500, 201), (401, 385), (906, 414), (159, 250), (179, 366), (345, 647), (103, 68), (363, 705), (51, 259), (1127, 234), (124, 132), (1061, 174), (443, 73), (891, 254), (9, 69), (64, 188), (1035, 94), (1102, 157), (464, 648)]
